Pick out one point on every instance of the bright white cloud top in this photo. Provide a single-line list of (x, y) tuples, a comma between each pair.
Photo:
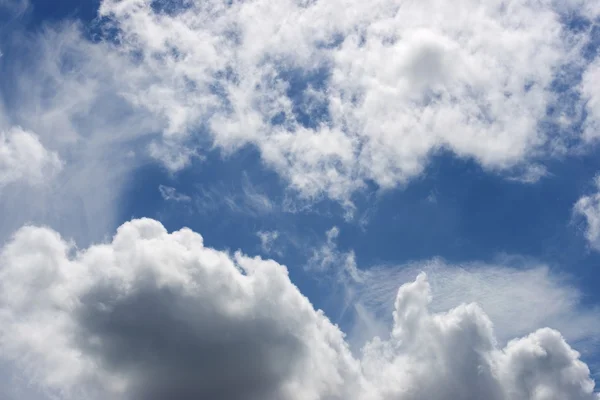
[(155, 315)]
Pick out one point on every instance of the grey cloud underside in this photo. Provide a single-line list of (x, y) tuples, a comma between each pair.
[(176, 347), (153, 315)]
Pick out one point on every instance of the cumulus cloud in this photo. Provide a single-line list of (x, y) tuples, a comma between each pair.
[(516, 298), (347, 94), (153, 314), (351, 92), (518, 294), (588, 207), (24, 159)]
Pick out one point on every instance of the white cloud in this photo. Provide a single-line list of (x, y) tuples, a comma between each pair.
[(531, 174), (24, 159), (158, 315), (396, 82), (267, 240), (246, 198), (349, 92), (518, 295), (517, 299), (171, 194), (588, 207), (591, 92), (66, 89)]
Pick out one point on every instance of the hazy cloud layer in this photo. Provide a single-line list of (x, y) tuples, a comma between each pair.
[(158, 315)]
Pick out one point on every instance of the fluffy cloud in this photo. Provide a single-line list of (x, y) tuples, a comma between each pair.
[(517, 299), (348, 93), (158, 315), (340, 92), (24, 159), (588, 207)]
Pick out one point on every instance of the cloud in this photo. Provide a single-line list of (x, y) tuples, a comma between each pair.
[(16, 8), (153, 314), (590, 91), (588, 207), (352, 92), (24, 159), (532, 174), (519, 295), (163, 317), (332, 102), (245, 198), (63, 90), (267, 240), (171, 194), (517, 298)]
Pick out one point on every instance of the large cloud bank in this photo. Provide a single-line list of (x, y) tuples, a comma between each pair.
[(333, 94), (156, 315), (337, 93)]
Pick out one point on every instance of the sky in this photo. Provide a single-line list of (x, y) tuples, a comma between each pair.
[(299, 199)]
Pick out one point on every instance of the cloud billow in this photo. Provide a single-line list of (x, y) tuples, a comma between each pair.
[(154, 315)]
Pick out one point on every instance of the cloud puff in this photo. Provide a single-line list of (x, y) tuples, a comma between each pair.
[(158, 315), (338, 93), (588, 207), (24, 159)]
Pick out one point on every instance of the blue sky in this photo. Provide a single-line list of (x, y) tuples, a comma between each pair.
[(357, 153)]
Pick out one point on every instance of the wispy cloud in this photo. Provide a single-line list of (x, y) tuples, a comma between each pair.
[(171, 194)]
